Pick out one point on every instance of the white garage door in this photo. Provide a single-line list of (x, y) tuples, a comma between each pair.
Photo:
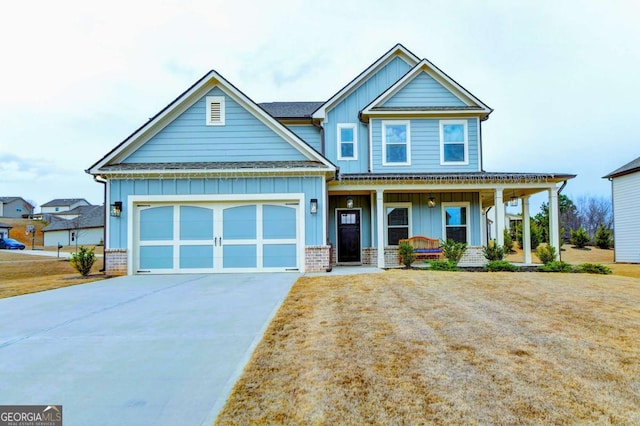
[(216, 237)]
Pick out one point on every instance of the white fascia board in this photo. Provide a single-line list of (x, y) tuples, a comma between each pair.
[(397, 50), (190, 172), (343, 186)]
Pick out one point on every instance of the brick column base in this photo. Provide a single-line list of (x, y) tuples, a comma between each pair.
[(316, 258), (115, 261)]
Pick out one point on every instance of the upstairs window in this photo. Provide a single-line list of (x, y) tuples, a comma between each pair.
[(215, 111), (347, 141), (396, 143), (453, 142)]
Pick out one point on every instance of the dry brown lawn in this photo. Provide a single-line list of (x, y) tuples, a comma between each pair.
[(420, 347)]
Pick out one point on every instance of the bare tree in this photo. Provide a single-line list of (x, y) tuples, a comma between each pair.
[(594, 211)]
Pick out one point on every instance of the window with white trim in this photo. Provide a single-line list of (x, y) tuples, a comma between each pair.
[(396, 143), (215, 111), (347, 141), (454, 146), (397, 222), (456, 219)]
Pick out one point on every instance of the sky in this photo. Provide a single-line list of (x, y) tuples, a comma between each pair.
[(79, 77)]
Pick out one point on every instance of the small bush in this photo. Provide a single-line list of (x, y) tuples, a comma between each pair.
[(593, 268), (494, 251), (452, 250), (603, 237), (406, 254), (83, 260), (546, 253), (500, 265), (508, 242), (536, 234), (556, 266), (442, 265), (579, 238)]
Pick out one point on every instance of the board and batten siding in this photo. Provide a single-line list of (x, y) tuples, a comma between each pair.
[(347, 111), (188, 139), (121, 189), (425, 148), (308, 133), (423, 90), (626, 211)]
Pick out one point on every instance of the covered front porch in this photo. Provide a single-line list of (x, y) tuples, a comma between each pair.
[(367, 212)]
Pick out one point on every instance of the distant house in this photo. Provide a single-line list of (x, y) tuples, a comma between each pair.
[(625, 188), (4, 230), (63, 204), (84, 225), (15, 207)]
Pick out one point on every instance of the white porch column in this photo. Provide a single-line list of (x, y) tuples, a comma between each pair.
[(526, 231), (554, 221), (483, 223), (380, 226), (499, 206)]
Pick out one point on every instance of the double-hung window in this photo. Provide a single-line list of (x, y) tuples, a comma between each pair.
[(456, 221), (396, 143), (454, 146), (398, 221), (347, 141)]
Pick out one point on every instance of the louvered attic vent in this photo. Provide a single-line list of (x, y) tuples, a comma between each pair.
[(215, 110)]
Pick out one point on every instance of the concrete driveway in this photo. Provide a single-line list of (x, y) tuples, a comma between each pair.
[(141, 350)]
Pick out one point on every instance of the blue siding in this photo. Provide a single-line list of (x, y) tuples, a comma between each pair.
[(189, 139), (423, 90), (347, 112), (425, 148), (310, 134), (310, 186)]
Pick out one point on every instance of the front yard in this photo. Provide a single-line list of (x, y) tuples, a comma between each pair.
[(416, 347)]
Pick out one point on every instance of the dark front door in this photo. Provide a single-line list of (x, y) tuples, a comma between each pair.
[(349, 236)]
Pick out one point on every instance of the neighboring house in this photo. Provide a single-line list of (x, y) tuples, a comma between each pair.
[(625, 188), (62, 205), (512, 221), (4, 230), (83, 225), (217, 183), (15, 207)]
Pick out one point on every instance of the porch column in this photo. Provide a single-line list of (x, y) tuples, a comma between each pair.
[(483, 223), (380, 226), (499, 217), (554, 221), (526, 231)]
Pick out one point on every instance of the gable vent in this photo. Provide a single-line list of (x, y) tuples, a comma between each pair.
[(215, 111)]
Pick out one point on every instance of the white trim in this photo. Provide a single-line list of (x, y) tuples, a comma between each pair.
[(465, 124), (337, 233), (479, 139), (215, 100), (465, 204), (325, 213), (409, 207), (383, 124), (339, 141), (370, 135)]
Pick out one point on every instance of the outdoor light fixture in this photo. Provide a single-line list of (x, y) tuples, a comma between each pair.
[(513, 201), (116, 209), (431, 202), (313, 206), (349, 203)]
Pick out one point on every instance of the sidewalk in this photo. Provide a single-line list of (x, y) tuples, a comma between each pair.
[(46, 253)]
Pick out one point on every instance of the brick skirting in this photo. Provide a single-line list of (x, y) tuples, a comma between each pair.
[(317, 258), (115, 261)]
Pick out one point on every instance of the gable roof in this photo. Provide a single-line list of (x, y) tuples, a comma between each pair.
[(7, 200), (395, 51), (472, 104), (630, 167), (185, 100), (282, 110), (91, 217), (64, 202)]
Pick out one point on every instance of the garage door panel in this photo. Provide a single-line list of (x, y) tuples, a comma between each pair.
[(279, 255), (196, 223), (278, 222), (156, 224), (156, 257), (240, 256), (194, 257), (239, 223)]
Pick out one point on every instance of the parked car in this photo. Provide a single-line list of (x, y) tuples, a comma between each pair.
[(11, 244)]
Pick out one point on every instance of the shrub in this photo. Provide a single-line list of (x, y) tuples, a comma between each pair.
[(593, 268), (494, 251), (500, 265), (406, 254), (442, 265), (556, 266), (536, 234), (603, 237), (546, 253), (579, 238), (508, 242), (83, 260), (453, 250)]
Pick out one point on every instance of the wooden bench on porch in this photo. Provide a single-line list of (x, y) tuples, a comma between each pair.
[(424, 248)]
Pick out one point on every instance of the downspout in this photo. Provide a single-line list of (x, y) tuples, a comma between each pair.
[(98, 179), (486, 226), (321, 127)]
